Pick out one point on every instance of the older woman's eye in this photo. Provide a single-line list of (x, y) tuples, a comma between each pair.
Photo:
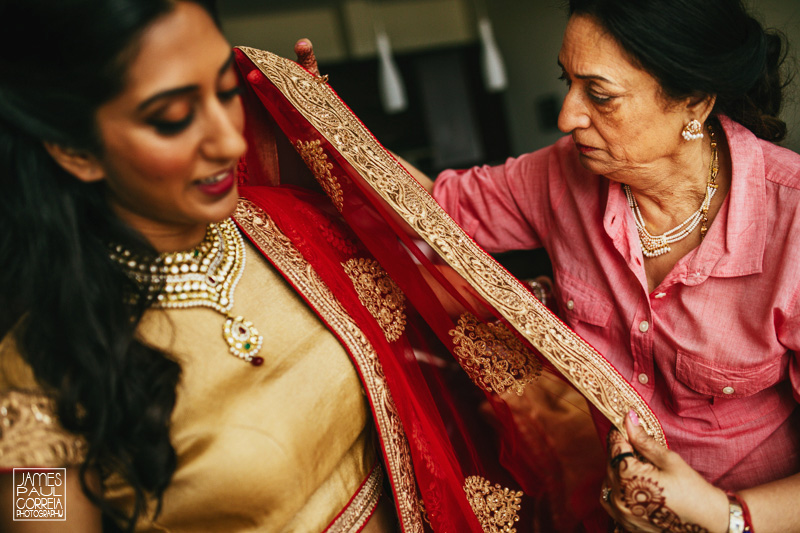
[(598, 99), (563, 77), (171, 127)]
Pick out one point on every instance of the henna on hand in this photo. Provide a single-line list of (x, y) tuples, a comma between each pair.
[(645, 500), (614, 442), (305, 56)]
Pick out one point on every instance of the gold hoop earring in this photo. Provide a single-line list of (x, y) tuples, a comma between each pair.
[(693, 130)]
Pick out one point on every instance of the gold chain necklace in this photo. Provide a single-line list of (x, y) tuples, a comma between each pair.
[(655, 245), (203, 277)]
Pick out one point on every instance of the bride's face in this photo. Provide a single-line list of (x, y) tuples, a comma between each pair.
[(172, 137)]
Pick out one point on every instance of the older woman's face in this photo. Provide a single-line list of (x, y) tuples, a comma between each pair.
[(620, 122), (172, 137)]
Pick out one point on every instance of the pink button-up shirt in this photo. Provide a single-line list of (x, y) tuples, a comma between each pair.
[(713, 349)]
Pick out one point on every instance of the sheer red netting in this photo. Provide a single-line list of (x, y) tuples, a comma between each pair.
[(476, 400)]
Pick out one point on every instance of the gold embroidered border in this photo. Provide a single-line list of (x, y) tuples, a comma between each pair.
[(494, 506), (360, 509), (379, 294), (317, 162), (30, 435), (586, 369), (280, 250), (493, 358)]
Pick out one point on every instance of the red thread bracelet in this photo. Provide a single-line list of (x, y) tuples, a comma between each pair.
[(748, 522)]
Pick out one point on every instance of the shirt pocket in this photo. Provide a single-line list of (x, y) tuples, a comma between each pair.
[(579, 301), (730, 395)]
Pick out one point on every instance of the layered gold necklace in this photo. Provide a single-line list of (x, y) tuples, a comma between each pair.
[(203, 277), (656, 245)]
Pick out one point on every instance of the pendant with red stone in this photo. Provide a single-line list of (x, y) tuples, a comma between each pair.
[(243, 340)]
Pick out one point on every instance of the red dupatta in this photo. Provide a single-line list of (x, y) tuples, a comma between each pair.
[(445, 317)]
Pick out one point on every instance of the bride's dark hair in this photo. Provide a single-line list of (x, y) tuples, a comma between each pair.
[(60, 294)]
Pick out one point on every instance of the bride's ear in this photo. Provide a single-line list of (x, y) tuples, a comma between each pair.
[(79, 163)]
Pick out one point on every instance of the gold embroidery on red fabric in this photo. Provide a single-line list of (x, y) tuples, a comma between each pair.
[(30, 434), (424, 451), (493, 357), (423, 511), (281, 252), (577, 361), (495, 507), (317, 161), (380, 295), (358, 512), (336, 237)]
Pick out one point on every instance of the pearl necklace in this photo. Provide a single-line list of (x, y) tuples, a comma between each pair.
[(656, 245), (204, 277)]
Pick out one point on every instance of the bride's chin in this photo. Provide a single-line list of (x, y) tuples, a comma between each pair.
[(221, 208)]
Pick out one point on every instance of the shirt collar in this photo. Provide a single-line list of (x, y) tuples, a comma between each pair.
[(735, 243), (615, 221)]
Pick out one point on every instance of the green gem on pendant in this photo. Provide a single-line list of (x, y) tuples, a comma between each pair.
[(242, 338)]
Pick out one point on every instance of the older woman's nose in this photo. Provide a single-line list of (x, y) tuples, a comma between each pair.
[(573, 113)]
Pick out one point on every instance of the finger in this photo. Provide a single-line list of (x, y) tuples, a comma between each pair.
[(305, 56), (608, 504), (616, 443), (644, 444), (620, 454), (619, 517)]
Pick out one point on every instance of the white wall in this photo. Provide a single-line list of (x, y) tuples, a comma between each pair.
[(345, 29)]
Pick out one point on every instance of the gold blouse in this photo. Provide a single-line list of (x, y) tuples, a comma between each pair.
[(279, 447)]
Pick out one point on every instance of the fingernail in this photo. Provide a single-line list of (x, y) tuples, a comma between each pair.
[(303, 43), (634, 417)]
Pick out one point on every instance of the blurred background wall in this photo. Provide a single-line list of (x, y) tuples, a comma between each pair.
[(451, 118)]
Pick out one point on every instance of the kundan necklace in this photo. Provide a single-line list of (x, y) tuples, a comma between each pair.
[(655, 245), (204, 277)]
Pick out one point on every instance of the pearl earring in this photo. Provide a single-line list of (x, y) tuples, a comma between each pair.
[(693, 130)]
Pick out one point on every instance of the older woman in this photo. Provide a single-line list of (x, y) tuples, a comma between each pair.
[(670, 217)]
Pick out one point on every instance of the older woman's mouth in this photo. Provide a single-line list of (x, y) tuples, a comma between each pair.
[(582, 148)]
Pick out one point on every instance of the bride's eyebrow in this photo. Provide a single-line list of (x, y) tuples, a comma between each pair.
[(186, 89), (177, 91), (227, 64)]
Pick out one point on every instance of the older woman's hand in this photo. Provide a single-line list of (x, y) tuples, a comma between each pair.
[(649, 488)]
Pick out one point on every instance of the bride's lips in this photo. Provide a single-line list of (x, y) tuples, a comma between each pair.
[(217, 184)]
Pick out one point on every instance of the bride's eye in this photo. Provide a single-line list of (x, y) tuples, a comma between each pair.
[(171, 127), (230, 94)]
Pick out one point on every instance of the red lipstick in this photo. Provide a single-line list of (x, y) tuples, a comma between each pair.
[(218, 188)]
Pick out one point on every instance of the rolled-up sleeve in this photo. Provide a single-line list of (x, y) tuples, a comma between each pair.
[(504, 207)]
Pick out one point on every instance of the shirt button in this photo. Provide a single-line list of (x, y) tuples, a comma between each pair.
[(570, 305), (644, 326), (660, 295), (727, 390), (643, 379)]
